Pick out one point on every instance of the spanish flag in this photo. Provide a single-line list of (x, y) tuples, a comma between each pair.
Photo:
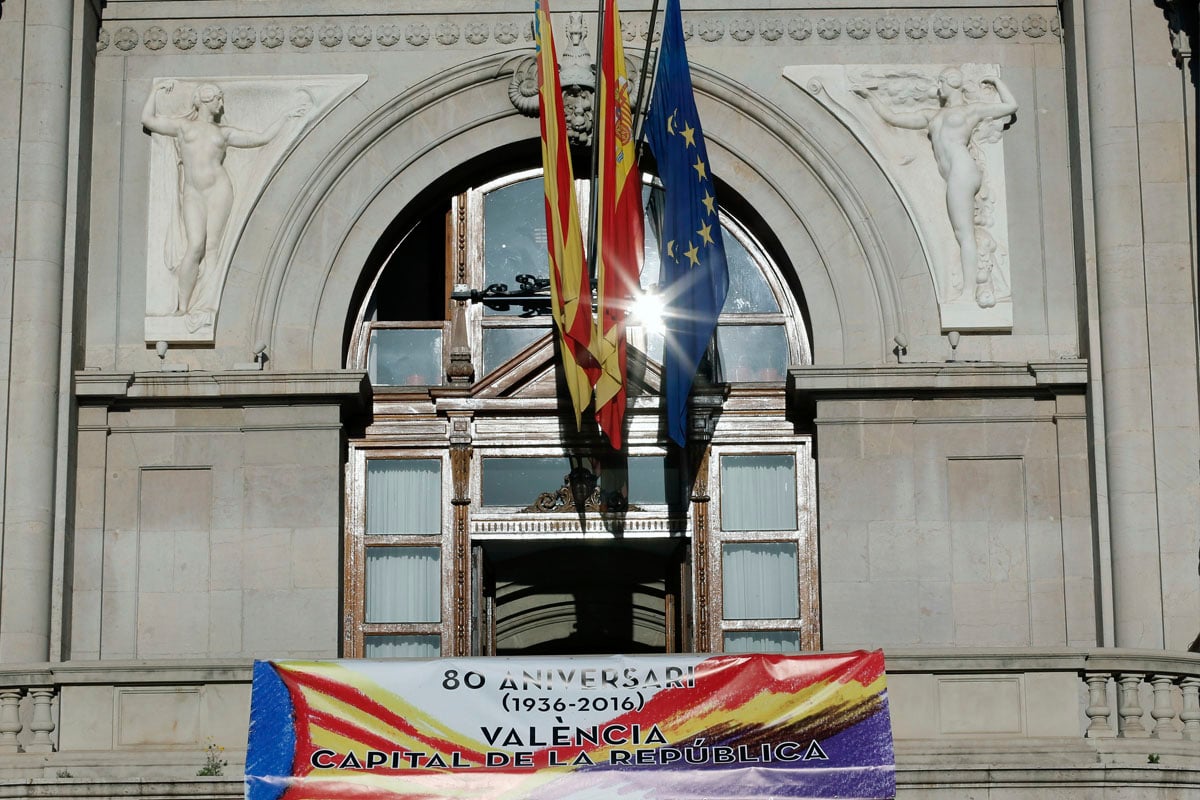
[(570, 288), (619, 199)]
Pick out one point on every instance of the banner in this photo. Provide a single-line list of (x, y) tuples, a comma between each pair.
[(562, 728)]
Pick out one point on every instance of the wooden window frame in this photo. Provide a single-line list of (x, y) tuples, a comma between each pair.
[(808, 621), (356, 629)]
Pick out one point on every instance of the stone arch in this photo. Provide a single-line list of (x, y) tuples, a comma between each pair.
[(845, 235)]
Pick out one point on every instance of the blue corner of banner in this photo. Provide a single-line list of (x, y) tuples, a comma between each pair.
[(272, 741)]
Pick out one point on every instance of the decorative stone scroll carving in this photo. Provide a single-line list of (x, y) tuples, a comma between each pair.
[(577, 71), (936, 132), (214, 144)]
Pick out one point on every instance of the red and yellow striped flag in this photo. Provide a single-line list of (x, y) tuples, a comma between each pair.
[(570, 288), (619, 260)]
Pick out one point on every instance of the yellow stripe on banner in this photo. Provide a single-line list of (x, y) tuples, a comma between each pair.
[(329, 740), (767, 709), (433, 727)]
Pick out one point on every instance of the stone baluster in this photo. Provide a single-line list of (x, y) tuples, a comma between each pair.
[(1129, 706), (10, 719), (1191, 709), (1097, 709), (42, 724), (1163, 711)]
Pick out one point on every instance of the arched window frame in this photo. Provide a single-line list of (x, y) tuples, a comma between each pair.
[(403, 429)]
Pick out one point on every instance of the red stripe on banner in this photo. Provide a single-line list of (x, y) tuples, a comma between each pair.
[(352, 697)]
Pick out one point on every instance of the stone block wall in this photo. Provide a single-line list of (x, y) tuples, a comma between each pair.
[(207, 531), (961, 519)]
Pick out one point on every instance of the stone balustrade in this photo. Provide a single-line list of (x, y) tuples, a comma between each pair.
[(960, 716), (1126, 694)]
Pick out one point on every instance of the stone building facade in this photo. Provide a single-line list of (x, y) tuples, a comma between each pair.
[(952, 410)]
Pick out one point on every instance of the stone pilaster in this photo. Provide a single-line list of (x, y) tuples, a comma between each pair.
[(1124, 337), (31, 445)]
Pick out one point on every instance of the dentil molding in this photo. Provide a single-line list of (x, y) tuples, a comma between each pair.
[(764, 28)]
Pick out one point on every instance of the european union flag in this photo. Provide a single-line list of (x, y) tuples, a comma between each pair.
[(695, 276)]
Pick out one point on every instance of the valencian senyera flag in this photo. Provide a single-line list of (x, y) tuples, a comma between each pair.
[(621, 237), (570, 285), (683, 727), (695, 276)]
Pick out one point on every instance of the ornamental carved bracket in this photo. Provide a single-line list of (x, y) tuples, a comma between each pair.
[(580, 491)]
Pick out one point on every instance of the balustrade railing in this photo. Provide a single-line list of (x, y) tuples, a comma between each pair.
[(1129, 694), (1175, 708), (1121, 695)]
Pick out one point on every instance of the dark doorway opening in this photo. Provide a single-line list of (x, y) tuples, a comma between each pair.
[(575, 597)]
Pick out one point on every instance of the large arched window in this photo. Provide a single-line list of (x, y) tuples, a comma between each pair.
[(400, 343), (477, 522)]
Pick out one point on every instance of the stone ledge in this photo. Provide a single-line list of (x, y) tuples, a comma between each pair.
[(145, 788), (864, 381), (348, 387), (1022, 659), (807, 385), (73, 673), (991, 661), (1064, 781)]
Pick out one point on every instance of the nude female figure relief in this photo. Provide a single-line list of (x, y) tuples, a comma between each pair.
[(205, 190), (950, 128)]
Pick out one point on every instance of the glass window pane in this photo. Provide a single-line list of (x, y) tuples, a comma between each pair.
[(651, 265), (752, 352), (762, 642), (651, 343), (404, 584), (748, 289), (501, 344), (519, 481), (401, 646), (650, 480), (404, 496), (405, 357), (760, 581), (514, 221), (758, 493)]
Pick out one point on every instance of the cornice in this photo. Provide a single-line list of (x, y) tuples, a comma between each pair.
[(191, 33), (344, 387), (230, 9), (808, 385)]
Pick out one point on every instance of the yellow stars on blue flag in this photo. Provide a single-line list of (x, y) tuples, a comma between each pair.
[(687, 135), (695, 276)]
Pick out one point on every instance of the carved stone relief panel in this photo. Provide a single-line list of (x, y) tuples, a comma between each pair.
[(214, 144), (937, 133)]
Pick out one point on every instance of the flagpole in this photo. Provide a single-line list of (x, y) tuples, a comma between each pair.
[(593, 196), (639, 115)]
